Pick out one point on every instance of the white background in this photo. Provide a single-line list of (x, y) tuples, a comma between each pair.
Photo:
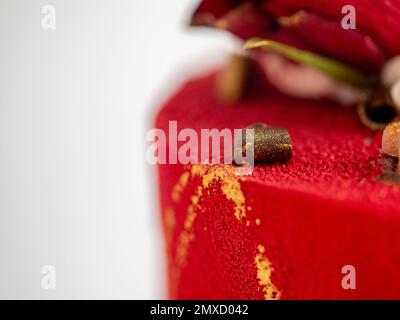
[(75, 103)]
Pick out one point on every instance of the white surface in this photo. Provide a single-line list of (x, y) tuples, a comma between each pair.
[(75, 191)]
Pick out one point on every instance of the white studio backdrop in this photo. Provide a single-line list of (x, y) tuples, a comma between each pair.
[(75, 102)]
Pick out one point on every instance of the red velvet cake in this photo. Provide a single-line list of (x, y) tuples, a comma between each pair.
[(287, 230)]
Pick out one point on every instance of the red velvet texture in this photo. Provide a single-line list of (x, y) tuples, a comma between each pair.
[(286, 230)]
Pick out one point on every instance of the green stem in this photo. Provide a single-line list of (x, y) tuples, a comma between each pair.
[(333, 68)]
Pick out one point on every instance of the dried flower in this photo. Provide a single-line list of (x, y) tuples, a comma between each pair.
[(335, 69), (377, 111), (231, 81), (391, 140)]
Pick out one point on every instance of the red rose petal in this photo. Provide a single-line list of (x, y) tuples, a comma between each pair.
[(327, 37), (376, 18), (245, 21), (242, 18), (209, 11), (374, 41)]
